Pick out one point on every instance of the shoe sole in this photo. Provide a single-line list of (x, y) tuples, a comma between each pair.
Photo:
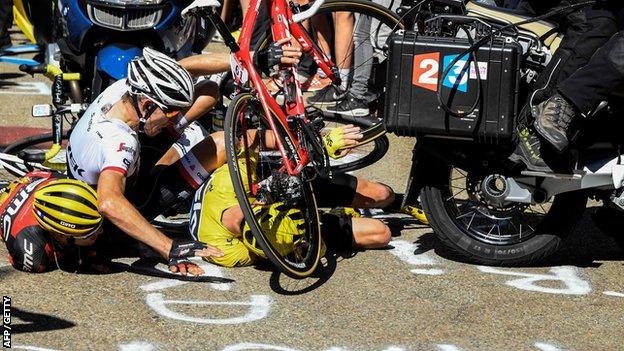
[(323, 103), (356, 112), (517, 158), (311, 90)]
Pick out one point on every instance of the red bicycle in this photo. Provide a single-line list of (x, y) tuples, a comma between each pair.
[(275, 149)]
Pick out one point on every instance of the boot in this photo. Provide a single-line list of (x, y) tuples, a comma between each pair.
[(553, 119), (528, 150)]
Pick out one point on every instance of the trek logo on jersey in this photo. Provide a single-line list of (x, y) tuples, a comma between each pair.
[(426, 71), (123, 147)]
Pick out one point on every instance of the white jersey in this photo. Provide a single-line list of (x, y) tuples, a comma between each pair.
[(98, 143)]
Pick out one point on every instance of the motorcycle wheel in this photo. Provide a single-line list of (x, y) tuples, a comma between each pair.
[(474, 230)]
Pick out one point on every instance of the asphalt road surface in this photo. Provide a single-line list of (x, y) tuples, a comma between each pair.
[(406, 297)]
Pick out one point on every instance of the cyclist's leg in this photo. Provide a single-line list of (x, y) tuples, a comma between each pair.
[(342, 233), (379, 34), (362, 62), (176, 183), (370, 194), (193, 134), (370, 233), (345, 190), (195, 166), (343, 44)]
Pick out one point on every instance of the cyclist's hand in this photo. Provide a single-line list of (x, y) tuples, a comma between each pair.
[(155, 124), (182, 250), (184, 267), (290, 53), (338, 140), (277, 52)]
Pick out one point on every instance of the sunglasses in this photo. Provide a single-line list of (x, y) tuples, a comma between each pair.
[(171, 113)]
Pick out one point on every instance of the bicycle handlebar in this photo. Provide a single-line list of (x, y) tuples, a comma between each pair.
[(36, 69), (302, 16), (49, 71), (32, 156)]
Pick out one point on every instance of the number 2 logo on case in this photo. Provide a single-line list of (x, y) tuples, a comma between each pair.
[(425, 71)]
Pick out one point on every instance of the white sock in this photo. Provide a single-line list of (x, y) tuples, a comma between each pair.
[(344, 77)]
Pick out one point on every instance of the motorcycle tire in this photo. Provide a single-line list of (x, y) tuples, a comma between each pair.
[(460, 244)]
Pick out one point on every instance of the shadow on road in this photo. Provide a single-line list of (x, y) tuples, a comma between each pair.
[(10, 75), (37, 322), (6, 83), (588, 244), (5, 272), (147, 266), (284, 285)]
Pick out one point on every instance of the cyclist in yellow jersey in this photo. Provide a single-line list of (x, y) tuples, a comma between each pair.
[(211, 200), (216, 218)]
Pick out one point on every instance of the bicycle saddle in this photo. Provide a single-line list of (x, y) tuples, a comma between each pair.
[(198, 4)]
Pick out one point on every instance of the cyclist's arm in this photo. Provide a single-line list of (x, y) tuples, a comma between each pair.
[(113, 205), (207, 64)]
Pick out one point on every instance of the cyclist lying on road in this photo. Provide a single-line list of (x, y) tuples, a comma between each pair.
[(217, 219), (46, 220)]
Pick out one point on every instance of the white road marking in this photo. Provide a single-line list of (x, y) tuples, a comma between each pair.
[(259, 307), (137, 346), (447, 347), (253, 346), (546, 347), (574, 285), (27, 88), (613, 293), (31, 348), (431, 271), (404, 250)]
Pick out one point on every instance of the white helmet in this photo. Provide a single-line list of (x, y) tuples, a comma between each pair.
[(161, 79)]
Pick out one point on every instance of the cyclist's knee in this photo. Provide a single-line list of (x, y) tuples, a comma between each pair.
[(369, 233), (373, 194)]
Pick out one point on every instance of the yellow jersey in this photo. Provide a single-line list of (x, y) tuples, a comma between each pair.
[(214, 197)]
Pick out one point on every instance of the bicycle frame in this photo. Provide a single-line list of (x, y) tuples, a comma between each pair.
[(243, 70)]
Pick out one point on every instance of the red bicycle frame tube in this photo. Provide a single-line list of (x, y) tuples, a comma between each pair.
[(308, 46), (282, 27)]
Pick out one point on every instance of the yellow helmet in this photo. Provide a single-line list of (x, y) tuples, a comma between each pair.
[(67, 207), (284, 226)]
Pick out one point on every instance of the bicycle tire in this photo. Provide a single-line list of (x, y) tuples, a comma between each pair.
[(310, 248), (372, 148), (28, 143)]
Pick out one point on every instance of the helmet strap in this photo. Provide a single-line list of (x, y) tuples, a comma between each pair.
[(143, 117)]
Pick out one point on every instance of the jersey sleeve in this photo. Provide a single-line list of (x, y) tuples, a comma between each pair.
[(120, 154)]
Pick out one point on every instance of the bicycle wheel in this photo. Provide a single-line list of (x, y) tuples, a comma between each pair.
[(41, 142), (371, 148), (372, 24), (253, 163)]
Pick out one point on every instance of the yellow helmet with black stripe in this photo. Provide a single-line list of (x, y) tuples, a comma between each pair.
[(67, 207)]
